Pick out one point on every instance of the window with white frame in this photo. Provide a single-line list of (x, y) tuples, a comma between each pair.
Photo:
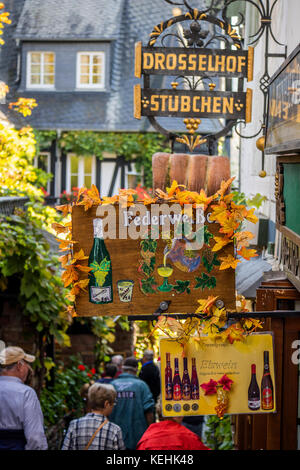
[(43, 161), (81, 171), (133, 177), (40, 69), (90, 70)]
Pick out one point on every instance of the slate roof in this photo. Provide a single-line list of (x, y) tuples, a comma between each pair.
[(123, 22), (69, 20)]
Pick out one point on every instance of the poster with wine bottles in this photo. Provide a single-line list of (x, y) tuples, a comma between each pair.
[(243, 370), (130, 264)]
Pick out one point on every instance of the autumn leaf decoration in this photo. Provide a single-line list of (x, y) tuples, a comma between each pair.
[(221, 388)]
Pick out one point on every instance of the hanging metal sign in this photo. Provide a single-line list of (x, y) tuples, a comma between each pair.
[(197, 90)]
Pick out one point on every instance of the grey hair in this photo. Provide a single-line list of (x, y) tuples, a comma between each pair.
[(99, 393)]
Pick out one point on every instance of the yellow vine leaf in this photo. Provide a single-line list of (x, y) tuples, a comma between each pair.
[(243, 238), (247, 253), (220, 243), (251, 216), (228, 262), (78, 256), (206, 304), (59, 228)]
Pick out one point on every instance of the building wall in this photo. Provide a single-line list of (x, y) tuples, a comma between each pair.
[(285, 27)]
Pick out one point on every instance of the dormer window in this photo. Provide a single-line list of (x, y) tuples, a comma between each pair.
[(90, 70), (40, 69)]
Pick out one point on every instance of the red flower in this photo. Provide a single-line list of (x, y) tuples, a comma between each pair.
[(89, 375), (226, 382), (93, 371), (210, 387), (81, 367)]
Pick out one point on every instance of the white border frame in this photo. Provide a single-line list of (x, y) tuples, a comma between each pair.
[(28, 71), (98, 86)]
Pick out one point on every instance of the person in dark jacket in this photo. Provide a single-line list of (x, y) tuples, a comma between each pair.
[(150, 374)]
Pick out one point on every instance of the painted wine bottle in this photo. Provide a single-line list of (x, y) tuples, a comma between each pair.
[(168, 379), (267, 398), (186, 383), (176, 382), (100, 283), (194, 381), (253, 391)]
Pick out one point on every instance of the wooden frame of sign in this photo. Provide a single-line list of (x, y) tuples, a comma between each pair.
[(127, 261)]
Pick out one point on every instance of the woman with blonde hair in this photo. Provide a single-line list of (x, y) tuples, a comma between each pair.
[(93, 431)]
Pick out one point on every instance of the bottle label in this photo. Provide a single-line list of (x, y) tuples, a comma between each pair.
[(254, 404), (169, 391), (101, 295), (176, 392), (267, 399), (186, 391)]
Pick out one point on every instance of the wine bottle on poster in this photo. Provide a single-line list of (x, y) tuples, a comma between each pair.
[(168, 379), (177, 395), (186, 383), (267, 395), (100, 277), (253, 391), (194, 381)]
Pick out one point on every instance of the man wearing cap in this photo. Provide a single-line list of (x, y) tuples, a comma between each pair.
[(150, 373), (21, 417), (134, 410)]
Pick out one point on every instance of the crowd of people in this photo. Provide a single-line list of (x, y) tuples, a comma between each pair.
[(123, 410)]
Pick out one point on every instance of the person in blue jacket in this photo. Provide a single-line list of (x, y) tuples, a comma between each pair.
[(134, 410)]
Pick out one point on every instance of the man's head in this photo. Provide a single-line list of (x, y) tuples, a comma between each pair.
[(14, 362), (130, 365), (118, 361), (110, 370), (148, 356)]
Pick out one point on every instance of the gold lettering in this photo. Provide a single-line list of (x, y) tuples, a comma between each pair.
[(231, 63), (173, 103), (182, 62), (220, 63), (273, 108), (206, 103), (195, 109), (228, 105), (163, 99), (159, 61), (148, 60), (216, 104), (185, 104), (202, 63), (192, 61), (210, 66), (171, 61), (241, 63), (154, 104)]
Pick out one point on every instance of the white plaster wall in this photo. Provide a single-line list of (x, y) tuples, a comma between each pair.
[(286, 29)]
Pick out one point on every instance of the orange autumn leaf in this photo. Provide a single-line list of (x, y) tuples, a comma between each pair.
[(64, 245), (219, 212), (78, 287), (65, 209), (174, 186), (206, 304), (251, 216), (69, 275), (161, 194), (84, 269), (243, 238), (64, 259), (246, 253), (220, 243), (238, 210), (229, 226), (234, 333), (78, 256), (228, 262), (203, 199), (59, 228), (225, 186)]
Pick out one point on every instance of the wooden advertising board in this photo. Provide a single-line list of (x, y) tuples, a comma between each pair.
[(133, 261)]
